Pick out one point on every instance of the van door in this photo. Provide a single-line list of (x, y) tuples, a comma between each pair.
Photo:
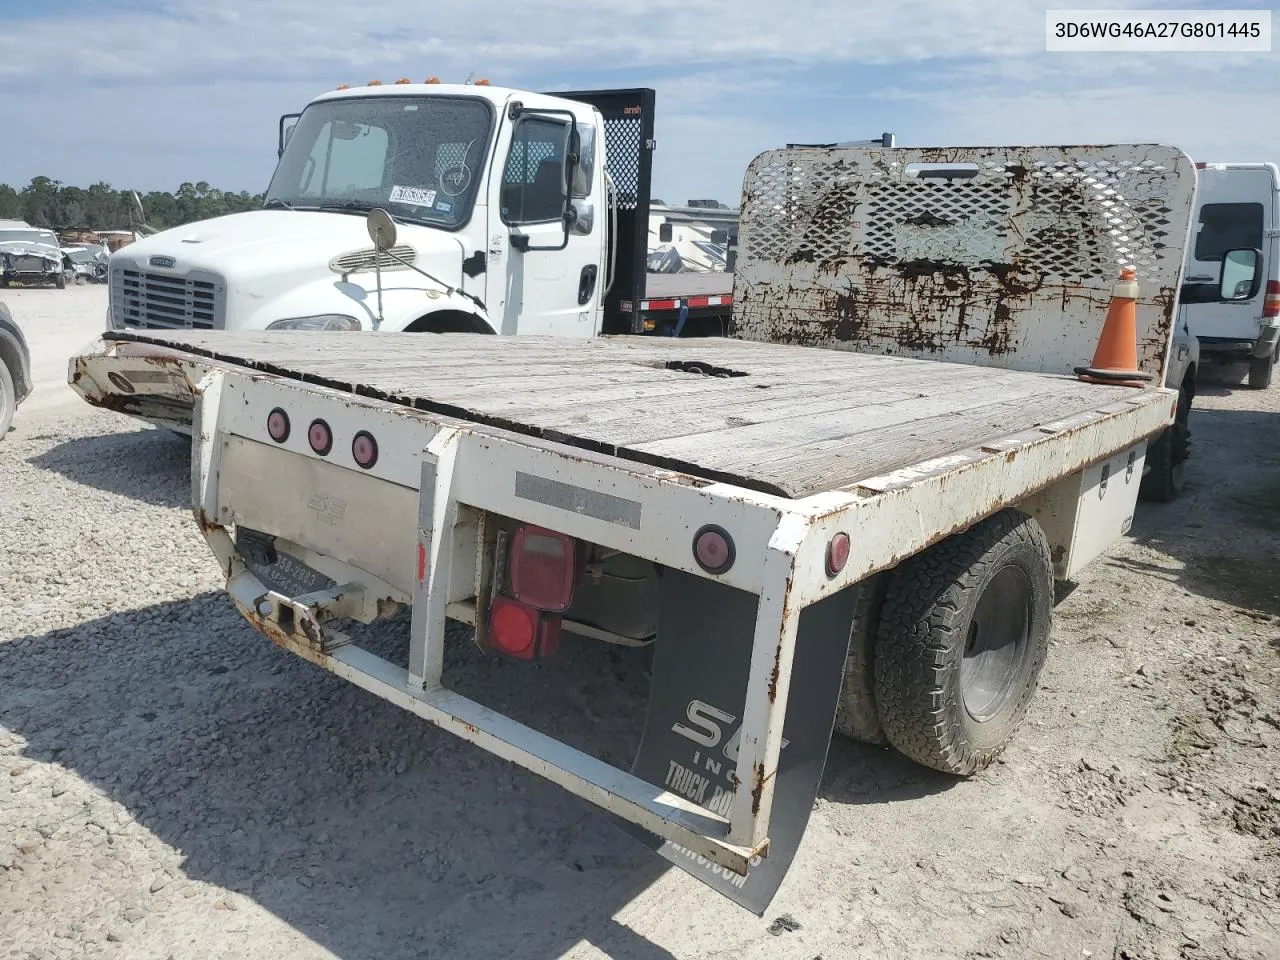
[(1236, 208), (554, 287)]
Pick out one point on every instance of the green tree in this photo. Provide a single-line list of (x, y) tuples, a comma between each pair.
[(46, 202)]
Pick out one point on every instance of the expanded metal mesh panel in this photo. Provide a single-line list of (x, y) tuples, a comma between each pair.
[(1008, 262), (525, 158), (622, 138)]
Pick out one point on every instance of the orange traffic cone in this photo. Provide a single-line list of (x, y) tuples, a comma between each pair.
[(1115, 361)]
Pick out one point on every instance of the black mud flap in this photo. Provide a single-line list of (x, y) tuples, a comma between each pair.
[(696, 700)]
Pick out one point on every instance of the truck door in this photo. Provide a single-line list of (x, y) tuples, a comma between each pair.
[(1236, 208), (551, 278)]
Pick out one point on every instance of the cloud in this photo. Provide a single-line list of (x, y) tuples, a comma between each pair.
[(153, 94)]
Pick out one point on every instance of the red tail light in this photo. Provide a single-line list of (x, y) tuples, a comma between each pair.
[(364, 449), (1271, 302), (713, 549), (544, 568), (320, 437), (278, 425), (521, 631), (837, 553)]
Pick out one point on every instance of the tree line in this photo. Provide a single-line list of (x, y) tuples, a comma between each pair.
[(45, 202)]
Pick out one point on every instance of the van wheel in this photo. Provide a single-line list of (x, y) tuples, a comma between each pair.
[(963, 636), (856, 715), (1260, 371)]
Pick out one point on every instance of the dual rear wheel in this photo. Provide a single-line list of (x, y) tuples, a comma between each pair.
[(947, 648)]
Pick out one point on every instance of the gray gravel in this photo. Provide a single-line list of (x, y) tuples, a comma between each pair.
[(171, 785)]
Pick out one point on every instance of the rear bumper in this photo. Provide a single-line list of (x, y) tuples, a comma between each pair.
[(1232, 347)]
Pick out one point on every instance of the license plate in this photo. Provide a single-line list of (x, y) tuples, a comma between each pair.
[(290, 576)]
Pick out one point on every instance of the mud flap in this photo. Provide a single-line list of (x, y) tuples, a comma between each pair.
[(696, 700)]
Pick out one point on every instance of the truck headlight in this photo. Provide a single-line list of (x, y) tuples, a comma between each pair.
[(322, 321)]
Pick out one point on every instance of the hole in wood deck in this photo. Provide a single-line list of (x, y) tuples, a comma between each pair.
[(706, 369)]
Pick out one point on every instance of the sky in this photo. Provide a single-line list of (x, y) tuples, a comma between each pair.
[(146, 94)]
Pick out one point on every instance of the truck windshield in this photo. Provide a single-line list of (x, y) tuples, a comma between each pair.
[(421, 158)]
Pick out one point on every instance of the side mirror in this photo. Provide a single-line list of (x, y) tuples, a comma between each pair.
[(664, 232), (286, 131), (1240, 276), (720, 237), (382, 229)]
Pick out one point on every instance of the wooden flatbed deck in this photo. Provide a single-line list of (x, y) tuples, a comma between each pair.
[(790, 420)]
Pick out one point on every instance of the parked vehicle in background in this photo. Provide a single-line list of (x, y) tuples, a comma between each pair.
[(517, 212), (89, 263), (1237, 206), (31, 255), (15, 369)]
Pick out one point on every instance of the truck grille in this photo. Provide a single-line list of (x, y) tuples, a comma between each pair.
[(31, 264), (143, 299)]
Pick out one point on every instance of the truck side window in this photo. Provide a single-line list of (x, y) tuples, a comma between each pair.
[(532, 182), (1228, 226)]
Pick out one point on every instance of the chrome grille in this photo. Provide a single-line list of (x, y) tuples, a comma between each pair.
[(145, 299)]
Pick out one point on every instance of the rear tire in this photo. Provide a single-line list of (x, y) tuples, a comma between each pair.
[(963, 636), (1260, 372), (1166, 456), (856, 715)]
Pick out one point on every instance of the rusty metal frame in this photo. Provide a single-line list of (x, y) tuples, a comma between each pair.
[(465, 469)]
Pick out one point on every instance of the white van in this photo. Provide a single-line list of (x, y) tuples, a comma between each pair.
[(1237, 206)]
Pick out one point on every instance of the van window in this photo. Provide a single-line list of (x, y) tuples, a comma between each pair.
[(1228, 226)]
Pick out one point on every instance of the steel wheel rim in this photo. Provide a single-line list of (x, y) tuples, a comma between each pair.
[(996, 644)]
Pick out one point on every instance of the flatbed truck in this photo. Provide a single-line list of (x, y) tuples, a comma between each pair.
[(850, 514)]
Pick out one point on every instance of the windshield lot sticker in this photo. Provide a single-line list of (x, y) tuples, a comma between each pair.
[(414, 196), (444, 206)]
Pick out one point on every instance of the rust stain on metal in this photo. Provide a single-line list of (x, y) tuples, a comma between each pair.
[(757, 792), (849, 249)]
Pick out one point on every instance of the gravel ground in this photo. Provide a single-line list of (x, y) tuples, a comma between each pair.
[(173, 786)]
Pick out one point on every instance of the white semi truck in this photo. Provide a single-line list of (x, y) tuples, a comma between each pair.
[(849, 514), (517, 212)]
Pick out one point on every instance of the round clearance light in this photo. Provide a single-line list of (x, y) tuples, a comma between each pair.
[(320, 437), (837, 553), (278, 425), (713, 549), (364, 449)]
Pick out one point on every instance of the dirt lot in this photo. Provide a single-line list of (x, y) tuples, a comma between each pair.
[(171, 785)]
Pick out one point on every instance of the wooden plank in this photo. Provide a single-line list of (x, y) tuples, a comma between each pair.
[(802, 420), (844, 461)]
